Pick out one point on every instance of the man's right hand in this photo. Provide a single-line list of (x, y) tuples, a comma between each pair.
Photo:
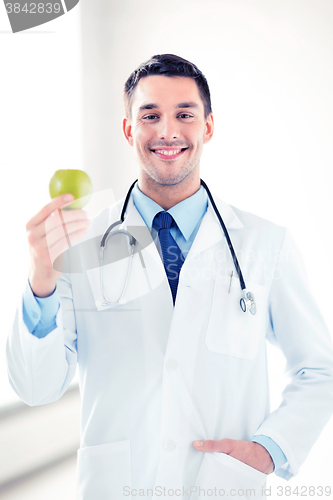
[(48, 240)]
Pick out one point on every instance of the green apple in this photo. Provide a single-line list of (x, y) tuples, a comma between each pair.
[(76, 182)]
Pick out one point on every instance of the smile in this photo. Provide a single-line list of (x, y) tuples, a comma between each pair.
[(169, 154)]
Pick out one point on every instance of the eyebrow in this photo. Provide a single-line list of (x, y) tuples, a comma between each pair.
[(183, 105)]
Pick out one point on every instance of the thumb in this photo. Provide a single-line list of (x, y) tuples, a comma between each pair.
[(222, 446)]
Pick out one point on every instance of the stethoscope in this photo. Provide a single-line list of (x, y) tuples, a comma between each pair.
[(247, 301)]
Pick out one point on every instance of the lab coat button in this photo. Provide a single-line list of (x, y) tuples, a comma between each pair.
[(169, 445), (171, 364), (35, 315)]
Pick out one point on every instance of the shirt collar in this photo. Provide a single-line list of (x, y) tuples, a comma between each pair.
[(187, 213)]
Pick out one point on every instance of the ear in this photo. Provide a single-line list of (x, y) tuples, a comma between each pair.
[(127, 129), (209, 128)]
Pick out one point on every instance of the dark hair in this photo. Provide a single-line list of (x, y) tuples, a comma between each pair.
[(167, 65)]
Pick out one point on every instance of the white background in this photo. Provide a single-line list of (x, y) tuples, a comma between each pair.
[(269, 65)]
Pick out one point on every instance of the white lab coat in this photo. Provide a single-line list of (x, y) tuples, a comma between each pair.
[(154, 377)]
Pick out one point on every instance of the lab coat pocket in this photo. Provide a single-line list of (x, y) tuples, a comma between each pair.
[(230, 477), (104, 471), (230, 330)]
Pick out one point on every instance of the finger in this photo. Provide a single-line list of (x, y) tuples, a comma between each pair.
[(61, 218), (67, 232), (223, 445), (62, 233), (61, 246), (42, 215), (46, 253), (54, 223)]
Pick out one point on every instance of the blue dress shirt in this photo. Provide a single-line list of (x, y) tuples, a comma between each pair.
[(39, 314), (188, 214)]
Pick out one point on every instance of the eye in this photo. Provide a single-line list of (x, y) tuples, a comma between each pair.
[(149, 117), (184, 115)]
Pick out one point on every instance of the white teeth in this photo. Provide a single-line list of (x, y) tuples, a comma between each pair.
[(169, 153)]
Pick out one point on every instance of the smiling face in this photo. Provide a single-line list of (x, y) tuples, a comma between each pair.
[(168, 129)]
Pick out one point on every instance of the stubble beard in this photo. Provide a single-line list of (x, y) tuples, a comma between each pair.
[(153, 175)]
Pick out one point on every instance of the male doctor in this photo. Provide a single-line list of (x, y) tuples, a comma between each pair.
[(174, 385)]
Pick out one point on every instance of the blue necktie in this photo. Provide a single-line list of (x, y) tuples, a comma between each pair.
[(172, 256)]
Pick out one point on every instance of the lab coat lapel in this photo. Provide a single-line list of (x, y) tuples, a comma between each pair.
[(210, 231)]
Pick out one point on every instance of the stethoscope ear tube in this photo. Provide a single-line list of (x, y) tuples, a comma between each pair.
[(132, 242), (226, 234), (122, 216), (107, 232), (247, 302)]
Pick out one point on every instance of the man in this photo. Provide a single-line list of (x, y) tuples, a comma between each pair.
[(174, 385)]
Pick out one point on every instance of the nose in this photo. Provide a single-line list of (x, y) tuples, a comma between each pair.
[(168, 128)]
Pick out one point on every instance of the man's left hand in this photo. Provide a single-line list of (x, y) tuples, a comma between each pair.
[(252, 454)]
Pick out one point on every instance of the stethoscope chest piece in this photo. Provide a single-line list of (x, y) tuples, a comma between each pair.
[(248, 303)]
